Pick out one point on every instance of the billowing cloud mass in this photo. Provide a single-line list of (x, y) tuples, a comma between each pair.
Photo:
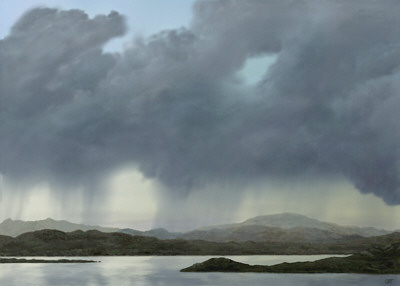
[(174, 105)]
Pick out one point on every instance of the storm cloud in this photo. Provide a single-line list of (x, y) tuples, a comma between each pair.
[(174, 104)]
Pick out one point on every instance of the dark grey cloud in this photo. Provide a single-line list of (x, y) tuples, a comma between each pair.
[(174, 106)]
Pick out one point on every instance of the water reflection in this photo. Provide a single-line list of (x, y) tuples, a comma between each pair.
[(159, 271)]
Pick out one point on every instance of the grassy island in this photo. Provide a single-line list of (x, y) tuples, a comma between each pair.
[(384, 260)]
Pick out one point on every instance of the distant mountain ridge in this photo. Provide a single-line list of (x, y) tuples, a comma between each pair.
[(282, 227), (16, 227), (160, 233), (285, 227), (291, 220)]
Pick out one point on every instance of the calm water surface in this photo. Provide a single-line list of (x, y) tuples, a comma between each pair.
[(157, 271)]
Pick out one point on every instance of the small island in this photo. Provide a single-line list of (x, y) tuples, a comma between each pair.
[(24, 260), (374, 261)]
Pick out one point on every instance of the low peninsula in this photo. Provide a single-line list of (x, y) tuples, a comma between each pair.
[(373, 261), (24, 260)]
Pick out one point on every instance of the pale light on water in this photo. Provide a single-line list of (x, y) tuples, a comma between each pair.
[(160, 271)]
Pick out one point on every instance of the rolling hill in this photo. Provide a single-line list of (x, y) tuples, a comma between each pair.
[(286, 227), (14, 228), (95, 243), (282, 227)]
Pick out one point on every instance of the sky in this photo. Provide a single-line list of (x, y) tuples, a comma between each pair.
[(180, 114)]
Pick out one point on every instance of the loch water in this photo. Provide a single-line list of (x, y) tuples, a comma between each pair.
[(164, 271)]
